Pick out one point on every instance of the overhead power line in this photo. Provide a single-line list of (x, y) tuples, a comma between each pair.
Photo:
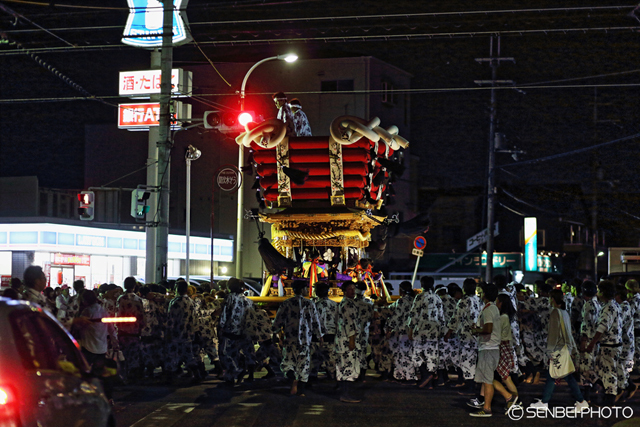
[(359, 18), (355, 38), (55, 72), (358, 92), (571, 153), (17, 16), (519, 200)]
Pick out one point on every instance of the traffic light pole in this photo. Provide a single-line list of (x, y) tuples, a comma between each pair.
[(160, 149)]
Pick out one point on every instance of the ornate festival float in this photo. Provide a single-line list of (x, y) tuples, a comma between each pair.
[(326, 192)]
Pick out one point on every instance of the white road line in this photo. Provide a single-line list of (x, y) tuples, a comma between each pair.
[(240, 415), (166, 416)]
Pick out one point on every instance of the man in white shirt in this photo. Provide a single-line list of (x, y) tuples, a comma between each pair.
[(489, 330), (95, 334), (34, 283)]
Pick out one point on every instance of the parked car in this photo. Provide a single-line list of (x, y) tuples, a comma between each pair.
[(44, 379)]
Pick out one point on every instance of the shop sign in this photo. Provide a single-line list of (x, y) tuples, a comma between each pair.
[(144, 115), (544, 263), (144, 24), (5, 281), (530, 244), (70, 259), (469, 263), (84, 240), (147, 82)]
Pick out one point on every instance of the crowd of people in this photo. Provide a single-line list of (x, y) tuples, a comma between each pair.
[(481, 338)]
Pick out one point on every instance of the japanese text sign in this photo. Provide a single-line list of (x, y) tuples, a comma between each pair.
[(147, 82)]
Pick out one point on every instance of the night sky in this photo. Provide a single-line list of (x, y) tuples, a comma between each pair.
[(449, 112)]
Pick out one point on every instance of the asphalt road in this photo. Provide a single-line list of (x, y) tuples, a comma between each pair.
[(267, 403)]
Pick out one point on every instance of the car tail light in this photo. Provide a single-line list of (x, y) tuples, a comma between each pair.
[(9, 414)]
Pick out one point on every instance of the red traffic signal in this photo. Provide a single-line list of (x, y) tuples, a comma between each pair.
[(228, 121), (245, 117), (86, 205)]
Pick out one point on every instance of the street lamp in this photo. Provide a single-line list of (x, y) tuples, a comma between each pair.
[(288, 58), (192, 154)]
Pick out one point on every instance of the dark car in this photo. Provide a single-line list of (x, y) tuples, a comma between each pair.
[(44, 379)]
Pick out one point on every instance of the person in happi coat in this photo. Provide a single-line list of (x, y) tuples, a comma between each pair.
[(109, 300), (634, 301), (446, 349), (590, 313), (199, 340), (130, 305), (380, 351), (300, 120), (529, 323), (425, 319), (568, 296), (627, 350), (609, 336), (397, 333), (152, 335), (463, 320), (576, 308), (181, 325), (298, 320), (347, 343), (73, 304), (543, 309), (208, 312), (365, 315), (284, 112), (232, 327), (323, 355), (269, 354)]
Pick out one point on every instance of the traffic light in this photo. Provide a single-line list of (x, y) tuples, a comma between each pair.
[(86, 202), (227, 121), (246, 117), (139, 206)]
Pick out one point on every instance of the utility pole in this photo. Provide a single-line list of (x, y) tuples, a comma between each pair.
[(494, 62), (159, 158)]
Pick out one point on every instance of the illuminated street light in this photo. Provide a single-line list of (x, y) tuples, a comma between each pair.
[(288, 58)]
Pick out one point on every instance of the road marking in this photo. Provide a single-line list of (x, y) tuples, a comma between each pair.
[(240, 415), (309, 415), (166, 416)]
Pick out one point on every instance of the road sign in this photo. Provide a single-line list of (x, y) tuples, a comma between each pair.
[(228, 178), (418, 252), (481, 237), (420, 243)]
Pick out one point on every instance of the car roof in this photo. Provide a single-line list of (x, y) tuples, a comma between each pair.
[(18, 304)]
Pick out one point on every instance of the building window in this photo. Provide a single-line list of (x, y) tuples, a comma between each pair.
[(388, 95), (336, 85)]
